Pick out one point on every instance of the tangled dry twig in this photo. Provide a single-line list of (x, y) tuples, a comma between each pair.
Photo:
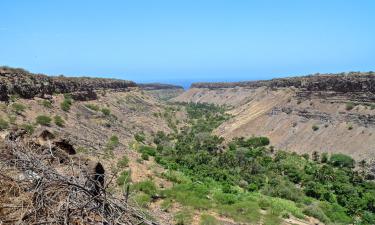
[(46, 194)]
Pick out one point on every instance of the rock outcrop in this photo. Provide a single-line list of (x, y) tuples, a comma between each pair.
[(354, 86), (27, 85)]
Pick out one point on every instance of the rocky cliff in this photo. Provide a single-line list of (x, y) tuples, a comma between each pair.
[(355, 86), (324, 113), (28, 85)]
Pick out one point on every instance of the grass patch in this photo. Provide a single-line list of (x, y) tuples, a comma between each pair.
[(29, 128), (46, 103), (92, 107), (106, 111), (66, 103), (208, 220), (123, 162), (184, 217), (142, 200), (124, 178), (147, 187), (3, 124), (59, 121), (18, 108), (43, 120)]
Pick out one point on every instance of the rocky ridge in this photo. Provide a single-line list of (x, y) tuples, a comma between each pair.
[(27, 85), (355, 86)]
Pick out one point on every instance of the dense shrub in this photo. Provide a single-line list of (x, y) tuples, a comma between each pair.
[(43, 120), (342, 160), (140, 137)]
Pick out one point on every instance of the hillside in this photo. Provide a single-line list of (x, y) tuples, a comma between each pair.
[(93, 151), (323, 113)]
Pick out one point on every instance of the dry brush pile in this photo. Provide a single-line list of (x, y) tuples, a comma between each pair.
[(37, 189)]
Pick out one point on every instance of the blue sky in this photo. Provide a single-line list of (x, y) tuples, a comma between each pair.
[(178, 40)]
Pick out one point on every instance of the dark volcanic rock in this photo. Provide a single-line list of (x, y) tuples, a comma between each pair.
[(84, 95), (350, 86), (28, 85)]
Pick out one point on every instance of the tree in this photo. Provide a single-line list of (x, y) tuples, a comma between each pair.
[(341, 160)]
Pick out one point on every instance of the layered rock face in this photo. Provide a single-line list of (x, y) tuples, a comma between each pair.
[(162, 91), (302, 114), (353, 86), (27, 85)]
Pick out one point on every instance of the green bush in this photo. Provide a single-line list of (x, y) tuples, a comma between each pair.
[(124, 178), (144, 156), (147, 187), (349, 106), (43, 120), (106, 111), (47, 104), (59, 121), (66, 104), (18, 108), (144, 149), (142, 200), (28, 127), (315, 127), (140, 137), (316, 212), (3, 124), (123, 162), (113, 142), (342, 160)]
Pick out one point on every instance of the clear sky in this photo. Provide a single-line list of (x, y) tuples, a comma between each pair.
[(170, 40)]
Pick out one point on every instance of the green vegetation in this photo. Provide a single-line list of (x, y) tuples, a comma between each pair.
[(112, 143), (349, 106), (183, 217), (67, 103), (124, 178), (43, 120), (342, 160), (29, 128), (59, 121), (140, 137), (92, 107), (106, 111), (123, 162), (208, 220), (241, 177), (81, 149), (3, 124), (46, 104), (315, 127), (18, 108)]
